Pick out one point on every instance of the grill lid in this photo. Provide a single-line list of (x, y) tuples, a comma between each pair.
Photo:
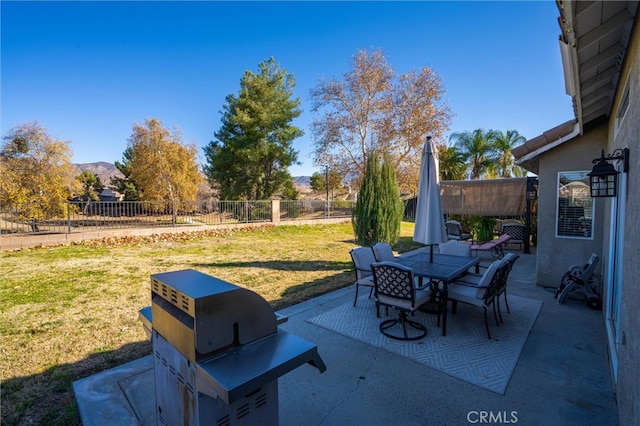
[(200, 314)]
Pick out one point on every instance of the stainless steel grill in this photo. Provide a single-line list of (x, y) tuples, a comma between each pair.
[(218, 351)]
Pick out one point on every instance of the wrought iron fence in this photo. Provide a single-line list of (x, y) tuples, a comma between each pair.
[(314, 209), (97, 215)]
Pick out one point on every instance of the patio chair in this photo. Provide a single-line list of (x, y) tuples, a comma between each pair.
[(456, 248), (581, 281), (383, 252), (454, 231), (500, 223), (395, 288), (482, 293), (515, 231), (509, 259), (362, 258)]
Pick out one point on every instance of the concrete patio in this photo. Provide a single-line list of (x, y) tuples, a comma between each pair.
[(562, 376)]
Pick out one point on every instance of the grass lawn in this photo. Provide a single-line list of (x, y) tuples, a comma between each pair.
[(70, 312)]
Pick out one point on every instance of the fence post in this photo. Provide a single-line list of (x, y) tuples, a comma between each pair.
[(275, 212), (68, 217)]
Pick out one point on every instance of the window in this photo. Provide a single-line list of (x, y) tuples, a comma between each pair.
[(574, 215)]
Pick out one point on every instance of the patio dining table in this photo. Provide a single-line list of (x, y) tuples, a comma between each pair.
[(444, 268)]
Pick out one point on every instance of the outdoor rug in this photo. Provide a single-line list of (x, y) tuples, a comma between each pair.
[(464, 353)]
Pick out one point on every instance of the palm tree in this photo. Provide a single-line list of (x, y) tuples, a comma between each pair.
[(477, 147), (503, 144), (452, 163)]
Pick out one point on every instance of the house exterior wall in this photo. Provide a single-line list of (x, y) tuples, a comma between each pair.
[(555, 255), (628, 135)]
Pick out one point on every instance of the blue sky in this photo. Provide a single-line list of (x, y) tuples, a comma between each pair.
[(87, 71)]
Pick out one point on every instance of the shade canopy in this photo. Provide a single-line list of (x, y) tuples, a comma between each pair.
[(429, 227), (484, 197)]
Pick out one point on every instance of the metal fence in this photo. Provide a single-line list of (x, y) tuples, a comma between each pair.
[(98, 215), (314, 209), (101, 215)]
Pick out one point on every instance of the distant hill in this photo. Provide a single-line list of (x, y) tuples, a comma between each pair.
[(105, 171), (302, 180), (303, 186)]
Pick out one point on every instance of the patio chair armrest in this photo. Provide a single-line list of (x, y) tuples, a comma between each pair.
[(427, 284), (473, 274), (468, 284)]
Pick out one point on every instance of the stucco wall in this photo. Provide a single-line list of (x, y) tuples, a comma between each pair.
[(628, 135), (557, 254)]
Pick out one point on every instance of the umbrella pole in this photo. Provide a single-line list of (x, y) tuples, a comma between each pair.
[(431, 253)]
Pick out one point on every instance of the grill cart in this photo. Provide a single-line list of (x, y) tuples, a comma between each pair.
[(217, 351)]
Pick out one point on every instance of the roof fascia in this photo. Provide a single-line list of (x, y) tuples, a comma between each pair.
[(549, 146)]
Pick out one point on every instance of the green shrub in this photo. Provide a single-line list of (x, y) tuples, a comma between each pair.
[(482, 227), (379, 208)]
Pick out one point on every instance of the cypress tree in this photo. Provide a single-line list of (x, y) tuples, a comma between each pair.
[(379, 209), (392, 205), (366, 225)]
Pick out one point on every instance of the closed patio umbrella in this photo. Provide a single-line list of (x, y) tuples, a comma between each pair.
[(429, 226)]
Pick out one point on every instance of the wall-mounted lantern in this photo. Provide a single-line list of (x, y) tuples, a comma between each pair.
[(604, 177)]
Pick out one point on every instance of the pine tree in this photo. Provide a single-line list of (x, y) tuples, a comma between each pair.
[(126, 185), (254, 147)]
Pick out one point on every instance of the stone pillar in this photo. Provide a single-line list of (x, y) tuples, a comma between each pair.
[(275, 212)]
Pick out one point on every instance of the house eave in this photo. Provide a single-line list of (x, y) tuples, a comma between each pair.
[(593, 44), (527, 154)]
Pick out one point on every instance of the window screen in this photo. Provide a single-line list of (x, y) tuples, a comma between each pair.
[(574, 215)]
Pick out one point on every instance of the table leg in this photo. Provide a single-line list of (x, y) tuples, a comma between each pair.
[(444, 301), (433, 305), (442, 305)]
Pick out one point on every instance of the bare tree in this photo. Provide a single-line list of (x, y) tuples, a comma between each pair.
[(374, 109)]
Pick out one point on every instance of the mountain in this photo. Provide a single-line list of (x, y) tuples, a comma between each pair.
[(302, 180), (105, 171)]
